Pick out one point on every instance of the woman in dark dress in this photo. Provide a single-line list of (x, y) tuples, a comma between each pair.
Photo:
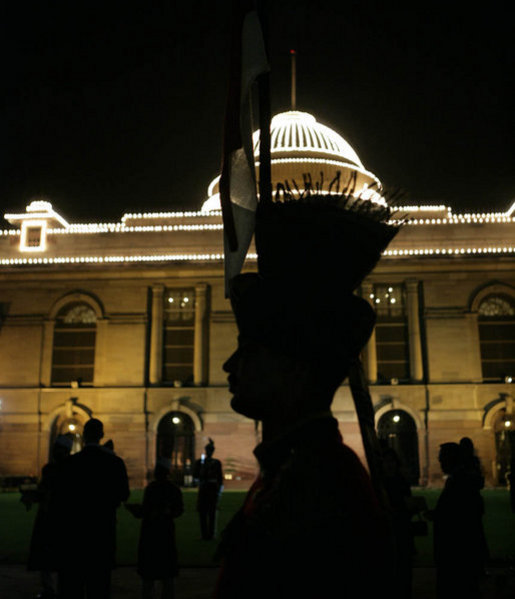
[(157, 552), (399, 496), (42, 555)]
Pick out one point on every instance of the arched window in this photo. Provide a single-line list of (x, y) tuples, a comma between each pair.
[(72, 428), (176, 441), (496, 320), (73, 357), (399, 431)]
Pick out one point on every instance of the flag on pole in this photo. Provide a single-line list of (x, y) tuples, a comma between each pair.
[(238, 194)]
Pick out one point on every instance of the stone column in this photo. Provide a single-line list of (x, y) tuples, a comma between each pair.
[(99, 372), (370, 350), (199, 353), (156, 336), (415, 343), (476, 368), (46, 353)]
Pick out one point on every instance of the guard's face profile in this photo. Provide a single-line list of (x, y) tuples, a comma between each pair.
[(259, 379)]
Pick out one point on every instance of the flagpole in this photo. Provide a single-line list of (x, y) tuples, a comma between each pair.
[(293, 55)]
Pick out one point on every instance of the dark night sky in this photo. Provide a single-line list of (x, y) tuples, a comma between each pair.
[(109, 108)]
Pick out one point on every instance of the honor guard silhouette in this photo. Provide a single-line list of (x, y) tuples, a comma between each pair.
[(208, 472), (311, 524)]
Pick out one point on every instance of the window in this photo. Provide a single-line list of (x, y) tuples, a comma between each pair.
[(179, 335), (33, 237), (497, 336), (176, 441), (391, 332), (73, 357), (398, 430)]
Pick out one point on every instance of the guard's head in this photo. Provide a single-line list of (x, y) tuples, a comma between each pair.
[(210, 448), (93, 431), (300, 324)]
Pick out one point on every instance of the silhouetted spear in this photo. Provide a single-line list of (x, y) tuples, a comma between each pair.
[(336, 179), (365, 413), (354, 178), (347, 185)]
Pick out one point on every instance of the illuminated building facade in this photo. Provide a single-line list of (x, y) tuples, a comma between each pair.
[(128, 322)]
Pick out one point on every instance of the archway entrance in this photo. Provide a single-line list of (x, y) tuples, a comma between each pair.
[(176, 441), (503, 427), (398, 429), (71, 427)]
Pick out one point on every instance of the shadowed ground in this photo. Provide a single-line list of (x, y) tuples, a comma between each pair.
[(198, 572), (193, 552), (197, 583)]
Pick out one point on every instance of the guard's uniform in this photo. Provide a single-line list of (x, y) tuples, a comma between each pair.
[(209, 474), (310, 526)]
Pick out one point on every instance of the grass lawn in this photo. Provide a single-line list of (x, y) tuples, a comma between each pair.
[(16, 527)]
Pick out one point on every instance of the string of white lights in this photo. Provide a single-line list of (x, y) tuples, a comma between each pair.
[(140, 215), (121, 228), (252, 256), (77, 229)]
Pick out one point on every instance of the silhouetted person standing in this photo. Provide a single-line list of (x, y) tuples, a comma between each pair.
[(399, 494), (208, 472), (93, 484), (42, 550), (157, 552), (458, 540), (511, 476), (311, 525), (470, 462)]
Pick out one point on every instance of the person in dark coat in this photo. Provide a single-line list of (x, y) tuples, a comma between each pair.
[(470, 462), (311, 524), (42, 551), (208, 472), (92, 485), (458, 540), (157, 552), (511, 475), (399, 497)]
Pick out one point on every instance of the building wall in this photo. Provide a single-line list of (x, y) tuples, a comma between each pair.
[(448, 401)]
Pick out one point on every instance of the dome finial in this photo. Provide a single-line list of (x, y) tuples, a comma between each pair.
[(293, 55)]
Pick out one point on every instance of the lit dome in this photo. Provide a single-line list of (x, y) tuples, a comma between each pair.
[(299, 133), (299, 144)]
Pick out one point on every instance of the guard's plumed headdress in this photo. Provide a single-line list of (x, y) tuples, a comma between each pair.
[(313, 253)]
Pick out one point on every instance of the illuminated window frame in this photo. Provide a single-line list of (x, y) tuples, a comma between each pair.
[(391, 332), (74, 338), (496, 337), (179, 336), (24, 237)]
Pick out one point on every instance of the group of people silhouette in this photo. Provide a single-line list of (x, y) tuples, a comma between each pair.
[(78, 496)]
